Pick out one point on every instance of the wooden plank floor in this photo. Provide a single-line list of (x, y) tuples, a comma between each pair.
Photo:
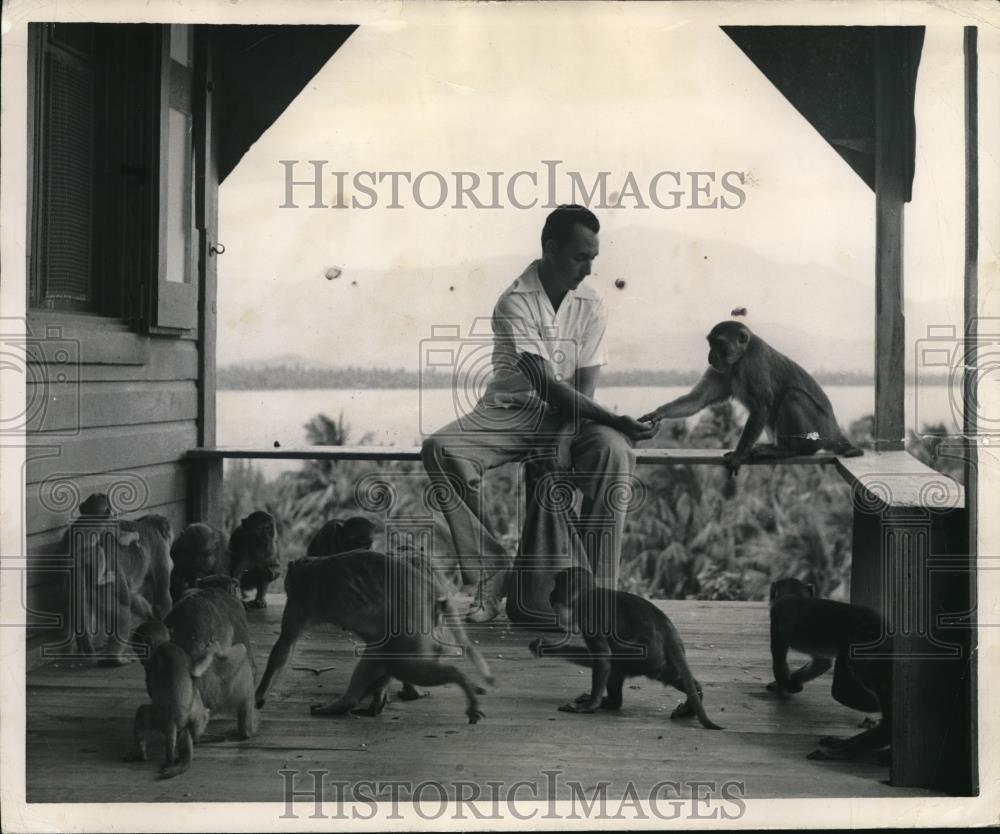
[(79, 725)]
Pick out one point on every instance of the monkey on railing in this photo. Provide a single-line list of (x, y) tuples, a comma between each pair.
[(779, 395)]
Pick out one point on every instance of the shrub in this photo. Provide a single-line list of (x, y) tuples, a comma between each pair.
[(699, 534)]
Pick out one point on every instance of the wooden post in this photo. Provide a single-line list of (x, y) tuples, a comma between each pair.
[(891, 131), (206, 474), (970, 426), (207, 218), (925, 586), (205, 491), (933, 724)]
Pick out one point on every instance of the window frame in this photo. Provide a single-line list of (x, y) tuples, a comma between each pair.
[(175, 303), (128, 251)]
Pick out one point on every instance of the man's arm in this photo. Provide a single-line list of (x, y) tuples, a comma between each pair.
[(569, 400), (585, 380)]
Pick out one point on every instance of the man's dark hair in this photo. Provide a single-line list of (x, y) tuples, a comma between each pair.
[(559, 224)]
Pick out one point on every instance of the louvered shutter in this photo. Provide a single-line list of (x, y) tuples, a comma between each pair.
[(64, 275)]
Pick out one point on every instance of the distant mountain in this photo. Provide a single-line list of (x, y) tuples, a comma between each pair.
[(287, 360), (262, 377), (675, 288)]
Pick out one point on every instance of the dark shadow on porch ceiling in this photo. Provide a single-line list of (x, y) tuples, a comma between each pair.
[(259, 70)]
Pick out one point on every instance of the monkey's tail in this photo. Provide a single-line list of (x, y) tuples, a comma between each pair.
[(454, 622), (691, 687), (480, 663)]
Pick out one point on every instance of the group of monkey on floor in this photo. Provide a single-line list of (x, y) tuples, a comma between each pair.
[(199, 662)]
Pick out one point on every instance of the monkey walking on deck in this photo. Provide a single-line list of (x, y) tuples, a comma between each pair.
[(340, 536), (779, 395), (826, 630), (394, 606), (625, 636)]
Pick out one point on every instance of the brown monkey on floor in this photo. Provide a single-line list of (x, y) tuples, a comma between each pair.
[(199, 663), (626, 636), (199, 551), (778, 394), (394, 606), (120, 576), (826, 630), (221, 582), (339, 536), (253, 555)]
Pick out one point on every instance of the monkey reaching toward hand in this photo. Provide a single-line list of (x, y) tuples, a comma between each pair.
[(626, 636), (778, 394), (826, 630)]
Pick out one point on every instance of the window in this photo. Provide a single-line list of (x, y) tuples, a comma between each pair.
[(112, 173)]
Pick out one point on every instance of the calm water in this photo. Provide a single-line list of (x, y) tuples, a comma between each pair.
[(400, 417)]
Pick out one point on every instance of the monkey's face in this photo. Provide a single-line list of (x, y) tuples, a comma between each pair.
[(254, 545), (559, 603), (569, 264), (565, 620), (206, 559), (199, 549), (716, 354), (96, 504), (570, 586), (723, 353), (727, 342), (357, 533), (149, 636)]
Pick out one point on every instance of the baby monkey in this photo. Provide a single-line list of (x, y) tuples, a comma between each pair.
[(826, 630), (626, 636)]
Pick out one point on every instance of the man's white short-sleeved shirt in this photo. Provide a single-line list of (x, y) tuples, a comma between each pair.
[(524, 322)]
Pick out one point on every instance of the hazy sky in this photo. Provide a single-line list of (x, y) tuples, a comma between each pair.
[(636, 93)]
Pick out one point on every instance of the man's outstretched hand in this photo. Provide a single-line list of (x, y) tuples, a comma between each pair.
[(634, 430)]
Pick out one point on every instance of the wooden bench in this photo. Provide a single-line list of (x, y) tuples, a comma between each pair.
[(910, 560)]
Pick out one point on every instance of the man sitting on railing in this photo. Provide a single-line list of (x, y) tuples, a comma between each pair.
[(548, 350)]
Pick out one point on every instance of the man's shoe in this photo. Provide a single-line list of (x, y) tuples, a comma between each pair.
[(486, 609), (489, 598)]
